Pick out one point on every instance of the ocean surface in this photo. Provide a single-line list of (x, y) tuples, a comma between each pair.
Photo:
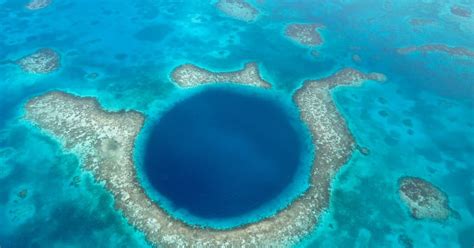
[(226, 157), (420, 122)]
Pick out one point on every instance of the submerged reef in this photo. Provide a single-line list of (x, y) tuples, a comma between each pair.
[(461, 11), (420, 21), (189, 75), (43, 61), (424, 200), (105, 143), (238, 9), (92, 76), (38, 4), (356, 58), (442, 48), (306, 34)]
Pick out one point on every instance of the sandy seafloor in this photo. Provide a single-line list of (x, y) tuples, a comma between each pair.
[(134, 45)]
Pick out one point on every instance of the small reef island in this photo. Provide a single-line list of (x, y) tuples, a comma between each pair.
[(189, 75), (424, 200), (43, 61), (105, 143), (238, 9), (306, 34)]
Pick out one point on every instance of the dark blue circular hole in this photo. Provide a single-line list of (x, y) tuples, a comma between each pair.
[(222, 153)]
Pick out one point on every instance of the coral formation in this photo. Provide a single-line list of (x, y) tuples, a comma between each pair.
[(43, 61), (306, 34), (38, 4), (442, 48), (424, 200), (189, 75), (238, 9), (105, 143)]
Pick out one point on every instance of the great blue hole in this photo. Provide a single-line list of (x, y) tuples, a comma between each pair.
[(223, 153)]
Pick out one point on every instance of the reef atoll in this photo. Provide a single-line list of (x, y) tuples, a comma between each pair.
[(306, 34), (105, 143), (38, 4), (442, 48), (424, 200), (238, 9), (189, 75), (43, 61)]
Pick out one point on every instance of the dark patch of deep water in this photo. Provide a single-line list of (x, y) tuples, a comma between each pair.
[(223, 153)]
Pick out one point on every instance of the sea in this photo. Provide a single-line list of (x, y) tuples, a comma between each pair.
[(420, 122)]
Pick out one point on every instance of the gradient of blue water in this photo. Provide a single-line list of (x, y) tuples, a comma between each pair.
[(223, 153), (434, 91)]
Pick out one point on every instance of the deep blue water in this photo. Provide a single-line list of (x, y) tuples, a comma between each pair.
[(222, 153)]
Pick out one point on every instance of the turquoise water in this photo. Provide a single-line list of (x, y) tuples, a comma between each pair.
[(418, 123)]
